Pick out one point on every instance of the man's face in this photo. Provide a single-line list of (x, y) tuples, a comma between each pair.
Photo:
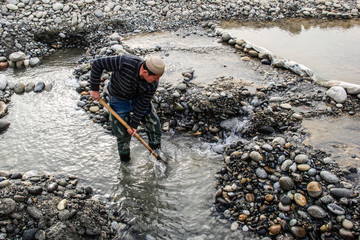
[(150, 77)]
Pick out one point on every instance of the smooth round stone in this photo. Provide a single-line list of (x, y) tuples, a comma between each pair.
[(327, 199), (256, 156), (298, 231), (269, 197), (329, 177), (337, 93), (300, 199), (346, 234), (334, 208), (261, 173), (17, 56), (34, 212), (7, 206), (34, 61), (250, 197), (341, 192), (48, 87), (274, 229), (286, 183), (285, 200), (312, 172), (52, 187), (303, 167), (81, 104), (29, 87), (94, 109), (293, 222), (267, 147), (317, 212), (314, 189), (181, 86), (234, 226), (35, 190), (39, 87), (284, 208), (301, 158), (347, 224), (285, 106), (286, 165), (62, 204), (3, 82), (19, 88), (279, 140)]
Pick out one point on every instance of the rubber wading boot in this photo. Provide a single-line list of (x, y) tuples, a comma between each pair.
[(125, 157)]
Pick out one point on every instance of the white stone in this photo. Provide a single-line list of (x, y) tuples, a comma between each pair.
[(17, 56), (58, 6), (338, 94), (62, 204), (12, 7), (3, 82)]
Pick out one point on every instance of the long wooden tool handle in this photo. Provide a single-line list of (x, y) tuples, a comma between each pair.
[(128, 127)]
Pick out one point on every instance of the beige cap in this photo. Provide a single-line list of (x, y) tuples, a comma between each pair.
[(155, 64)]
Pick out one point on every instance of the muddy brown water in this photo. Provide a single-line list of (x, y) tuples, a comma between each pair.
[(48, 133)]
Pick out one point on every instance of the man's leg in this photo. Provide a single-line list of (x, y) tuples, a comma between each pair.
[(123, 138), (153, 129)]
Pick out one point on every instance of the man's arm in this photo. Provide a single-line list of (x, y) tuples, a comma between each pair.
[(98, 66)]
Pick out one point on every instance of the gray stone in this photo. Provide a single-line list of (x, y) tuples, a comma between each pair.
[(19, 88), (334, 208), (341, 192), (317, 212), (286, 165), (35, 190), (286, 183), (329, 177), (301, 158), (34, 61), (261, 173), (7, 206), (34, 212), (48, 87), (39, 87), (29, 87), (256, 156), (58, 6)]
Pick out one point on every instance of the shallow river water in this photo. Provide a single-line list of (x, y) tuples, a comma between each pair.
[(48, 133), (329, 48)]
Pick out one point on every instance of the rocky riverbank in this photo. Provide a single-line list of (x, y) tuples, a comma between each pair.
[(270, 183)]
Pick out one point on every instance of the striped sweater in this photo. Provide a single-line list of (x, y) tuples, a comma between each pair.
[(125, 82)]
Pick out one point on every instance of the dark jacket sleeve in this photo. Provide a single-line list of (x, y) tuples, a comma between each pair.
[(99, 65)]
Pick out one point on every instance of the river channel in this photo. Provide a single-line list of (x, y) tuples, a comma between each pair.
[(49, 133)]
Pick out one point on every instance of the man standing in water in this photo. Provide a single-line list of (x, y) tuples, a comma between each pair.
[(133, 84)]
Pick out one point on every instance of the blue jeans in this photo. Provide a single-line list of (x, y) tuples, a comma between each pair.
[(151, 123)]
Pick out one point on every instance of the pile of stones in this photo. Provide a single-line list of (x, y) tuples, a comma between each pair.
[(41, 206)]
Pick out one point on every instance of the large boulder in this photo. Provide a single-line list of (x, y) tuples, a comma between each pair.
[(17, 56), (338, 94)]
